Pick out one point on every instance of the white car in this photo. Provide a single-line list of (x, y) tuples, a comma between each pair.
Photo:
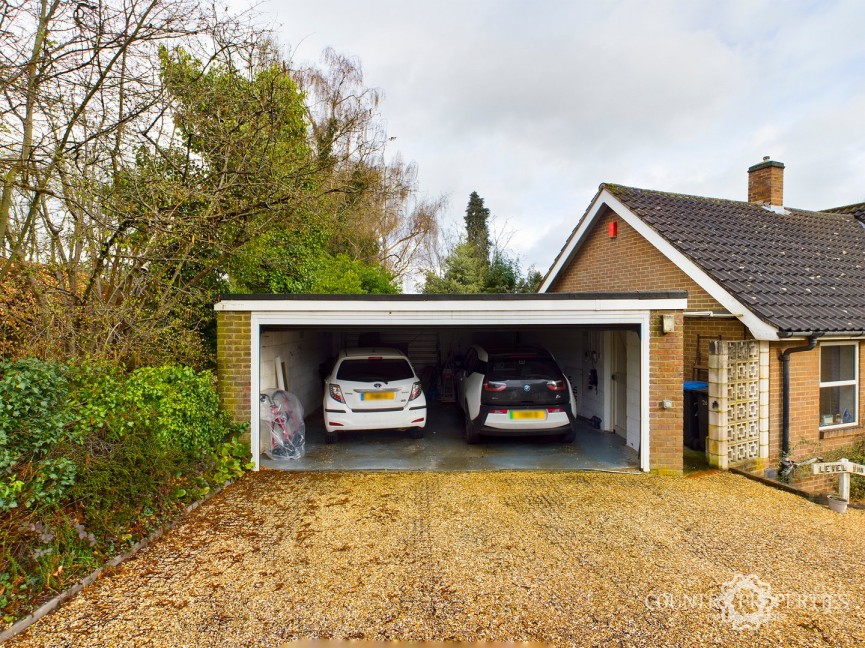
[(373, 389), (515, 391)]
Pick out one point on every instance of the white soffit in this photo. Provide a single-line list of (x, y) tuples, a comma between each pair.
[(759, 329)]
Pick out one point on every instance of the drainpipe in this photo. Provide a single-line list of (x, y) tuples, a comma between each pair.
[(786, 466)]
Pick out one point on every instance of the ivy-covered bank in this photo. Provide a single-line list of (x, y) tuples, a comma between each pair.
[(92, 459)]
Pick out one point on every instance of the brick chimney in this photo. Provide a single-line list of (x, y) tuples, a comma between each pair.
[(766, 183)]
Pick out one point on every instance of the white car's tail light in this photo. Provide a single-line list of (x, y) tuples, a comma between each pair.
[(415, 391), (492, 386), (556, 385), (336, 393)]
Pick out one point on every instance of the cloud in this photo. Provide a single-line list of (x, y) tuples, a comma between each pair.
[(534, 104)]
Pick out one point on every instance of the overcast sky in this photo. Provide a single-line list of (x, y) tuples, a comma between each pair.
[(534, 104)]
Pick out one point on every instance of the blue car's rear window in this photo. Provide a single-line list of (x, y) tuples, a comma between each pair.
[(517, 368)]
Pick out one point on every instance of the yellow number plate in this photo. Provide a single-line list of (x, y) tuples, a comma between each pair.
[(371, 396), (528, 414)]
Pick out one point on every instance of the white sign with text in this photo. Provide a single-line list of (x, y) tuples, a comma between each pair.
[(843, 469)]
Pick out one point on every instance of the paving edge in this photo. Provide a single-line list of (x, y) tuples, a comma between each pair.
[(46, 608)]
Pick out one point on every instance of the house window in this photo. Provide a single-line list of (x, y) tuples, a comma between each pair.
[(839, 384)]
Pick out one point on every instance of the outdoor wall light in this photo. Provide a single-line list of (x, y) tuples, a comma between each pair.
[(668, 323)]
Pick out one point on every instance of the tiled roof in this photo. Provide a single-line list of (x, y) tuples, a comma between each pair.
[(856, 211), (800, 270)]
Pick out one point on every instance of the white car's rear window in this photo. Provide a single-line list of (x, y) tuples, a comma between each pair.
[(372, 370)]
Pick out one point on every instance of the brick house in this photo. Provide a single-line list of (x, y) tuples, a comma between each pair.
[(782, 288)]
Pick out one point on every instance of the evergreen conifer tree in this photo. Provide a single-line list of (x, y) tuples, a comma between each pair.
[(477, 226)]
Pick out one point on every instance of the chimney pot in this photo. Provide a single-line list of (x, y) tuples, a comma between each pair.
[(766, 183)]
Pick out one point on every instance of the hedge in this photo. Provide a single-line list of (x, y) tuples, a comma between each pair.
[(92, 459)]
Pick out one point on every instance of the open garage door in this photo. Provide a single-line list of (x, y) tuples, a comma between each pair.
[(602, 351)]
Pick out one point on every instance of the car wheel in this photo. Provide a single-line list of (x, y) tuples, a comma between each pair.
[(570, 435), (329, 437), (472, 434), (416, 433)]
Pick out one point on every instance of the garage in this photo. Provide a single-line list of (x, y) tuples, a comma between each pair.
[(602, 342)]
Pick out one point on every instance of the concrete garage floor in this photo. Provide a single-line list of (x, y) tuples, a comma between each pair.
[(443, 448)]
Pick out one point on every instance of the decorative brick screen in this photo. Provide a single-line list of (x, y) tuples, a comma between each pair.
[(738, 425)]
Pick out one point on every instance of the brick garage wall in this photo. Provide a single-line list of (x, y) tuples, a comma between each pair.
[(627, 262), (665, 383), (805, 436), (233, 363), (630, 263), (702, 331)]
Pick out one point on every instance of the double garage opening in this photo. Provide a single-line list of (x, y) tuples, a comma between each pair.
[(600, 341)]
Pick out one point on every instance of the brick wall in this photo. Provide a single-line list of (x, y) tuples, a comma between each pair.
[(665, 383), (630, 263), (701, 331), (627, 262), (233, 363), (805, 435)]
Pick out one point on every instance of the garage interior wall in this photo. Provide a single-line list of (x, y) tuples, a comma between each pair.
[(632, 344), (582, 353), (300, 353)]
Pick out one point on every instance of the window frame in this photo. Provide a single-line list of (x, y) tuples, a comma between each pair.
[(839, 383)]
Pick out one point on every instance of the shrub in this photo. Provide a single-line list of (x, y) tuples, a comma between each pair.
[(125, 479), (180, 406), (33, 416), (20, 313), (96, 397), (92, 459)]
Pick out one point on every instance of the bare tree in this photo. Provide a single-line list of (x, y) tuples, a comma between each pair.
[(391, 225), (81, 98), (144, 142)]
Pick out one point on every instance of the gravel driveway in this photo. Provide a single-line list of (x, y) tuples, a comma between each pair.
[(565, 558)]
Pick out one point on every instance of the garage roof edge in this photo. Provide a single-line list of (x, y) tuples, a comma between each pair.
[(639, 295)]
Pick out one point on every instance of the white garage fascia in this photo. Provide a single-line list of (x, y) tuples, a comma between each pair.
[(760, 329), (443, 312)]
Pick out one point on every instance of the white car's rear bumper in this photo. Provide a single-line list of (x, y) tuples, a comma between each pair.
[(337, 418)]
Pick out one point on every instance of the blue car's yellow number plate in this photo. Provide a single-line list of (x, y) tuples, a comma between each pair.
[(528, 414)]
